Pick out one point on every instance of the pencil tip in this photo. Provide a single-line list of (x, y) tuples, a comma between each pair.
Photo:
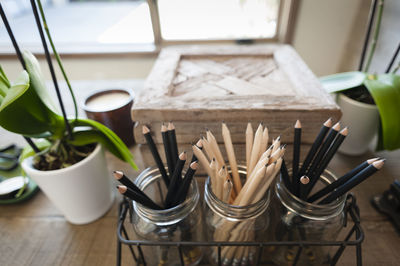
[(145, 129), (194, 165), (344, 131), (336, 127), (298, 124), (163, 128), (378, 164), (370, 161), (199, 143), (329, 122), (304, 180), (118, 174)]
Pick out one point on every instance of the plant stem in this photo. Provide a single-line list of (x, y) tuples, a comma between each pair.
[(376, 35), (46, 28), (50, 64), (368, 33), (396, 69)]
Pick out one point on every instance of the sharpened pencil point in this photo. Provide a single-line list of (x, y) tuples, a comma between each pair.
[(194, 165), (171, 126), (118, 174), (370, 161), (304, 180), (145, 130), (298, 124), (329, 122), (163, 128), (344, 131), (378, 164), (199, 143), (336, 127)]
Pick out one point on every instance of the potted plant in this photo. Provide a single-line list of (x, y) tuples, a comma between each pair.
[(369, 101), (68, 163)]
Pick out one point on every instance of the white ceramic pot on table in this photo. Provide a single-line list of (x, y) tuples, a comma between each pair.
[(363, 122), (82, 192)]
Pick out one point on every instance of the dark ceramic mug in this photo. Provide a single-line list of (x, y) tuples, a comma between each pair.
[(112, 108)]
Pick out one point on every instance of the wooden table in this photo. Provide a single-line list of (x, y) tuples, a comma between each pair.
[(35, 233)]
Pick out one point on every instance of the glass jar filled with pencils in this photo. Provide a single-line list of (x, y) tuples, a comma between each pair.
[(179, 223), (297, 219), (226, 222)]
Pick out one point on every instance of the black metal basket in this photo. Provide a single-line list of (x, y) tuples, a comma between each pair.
[(351, 209)]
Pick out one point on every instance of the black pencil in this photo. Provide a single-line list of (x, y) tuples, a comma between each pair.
[(156, 155), (304, 180), (124, 180), (176, 179), (296, 157), (314, 147), (324, 148), (184, 188), (167, 149), (327, 158), (354, 181), (124, 190), (173, 144), (340, 181), (285, 176)]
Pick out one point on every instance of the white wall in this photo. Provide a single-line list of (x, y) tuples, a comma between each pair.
[(322, 31), (321, 34)]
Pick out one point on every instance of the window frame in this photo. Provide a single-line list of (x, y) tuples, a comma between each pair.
[(285, 26)]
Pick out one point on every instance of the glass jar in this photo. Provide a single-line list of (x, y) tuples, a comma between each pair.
[(298, 220), (229, 223), (180, 223)]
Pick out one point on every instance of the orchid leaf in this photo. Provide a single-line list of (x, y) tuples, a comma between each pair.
[(37, 80), (342, 81), (85, 137), (123, 151), (22, 112), (385, 89)]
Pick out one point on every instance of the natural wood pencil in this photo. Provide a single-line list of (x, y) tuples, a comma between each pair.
[(227, 188), (213, 176), (265, 186), (255, 151), (215, 148), (231, 157), (207, 148), (264, 142), (276, 143), (220, 182), (202, 159), (249, 145)]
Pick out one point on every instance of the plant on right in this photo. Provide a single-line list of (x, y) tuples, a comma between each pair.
[(382, 90)]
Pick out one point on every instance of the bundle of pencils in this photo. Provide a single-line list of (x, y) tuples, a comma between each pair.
[(262, 164), (177, 186), (320, 154)]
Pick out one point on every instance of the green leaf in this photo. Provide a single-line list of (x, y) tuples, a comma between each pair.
[(123, 151), (85, 137), (37, 80), (342, 81), (23, 112), (385, 89)]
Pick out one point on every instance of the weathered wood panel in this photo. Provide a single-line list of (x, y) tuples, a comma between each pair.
[(202, 86)]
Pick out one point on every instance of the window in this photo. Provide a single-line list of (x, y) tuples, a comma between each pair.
[(87, 26)]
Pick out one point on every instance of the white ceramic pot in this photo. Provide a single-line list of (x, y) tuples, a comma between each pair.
[(82, 192), (363, 122)]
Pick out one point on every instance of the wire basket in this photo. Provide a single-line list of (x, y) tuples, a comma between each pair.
[(351, 208)]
